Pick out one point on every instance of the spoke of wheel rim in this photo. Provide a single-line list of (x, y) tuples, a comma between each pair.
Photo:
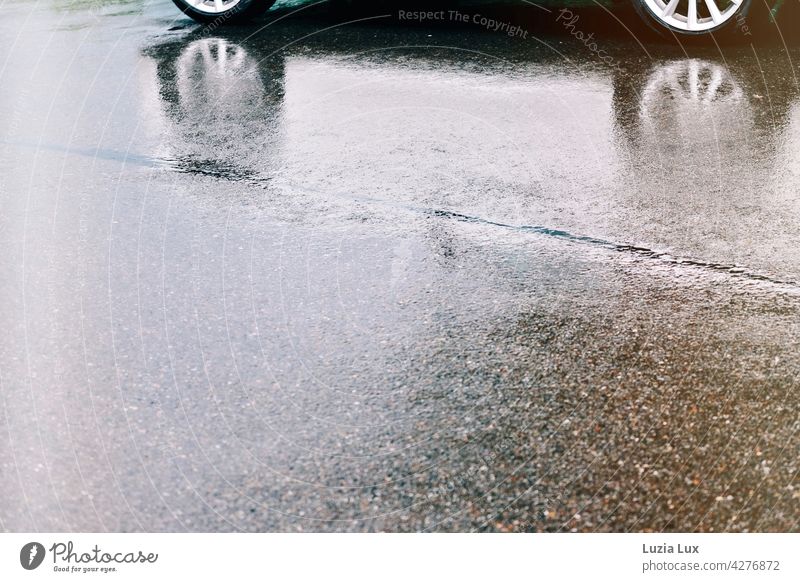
[(671, 7), (694, 79), (238, 59), (691, 17), (222, 55), (716, 16), (208, 58), (218, 5), (716, 83)]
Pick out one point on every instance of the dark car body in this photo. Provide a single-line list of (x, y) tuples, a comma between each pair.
[(738, 18)]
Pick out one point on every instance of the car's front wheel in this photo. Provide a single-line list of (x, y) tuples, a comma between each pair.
[(695, 16), (222, 11)]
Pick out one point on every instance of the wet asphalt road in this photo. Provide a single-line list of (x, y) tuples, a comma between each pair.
[(386, 278)]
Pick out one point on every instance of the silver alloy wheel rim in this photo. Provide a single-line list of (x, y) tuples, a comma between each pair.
[(213, 6), (685, 14)]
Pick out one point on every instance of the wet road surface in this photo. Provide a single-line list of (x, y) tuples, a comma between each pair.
[(360, 277)]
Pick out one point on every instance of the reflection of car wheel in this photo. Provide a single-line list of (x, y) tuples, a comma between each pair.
[(698, 103), (208, 69), (688, 84), (221, 11), (694, 16)]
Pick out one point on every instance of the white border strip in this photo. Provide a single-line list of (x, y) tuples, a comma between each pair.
[(357, 557)]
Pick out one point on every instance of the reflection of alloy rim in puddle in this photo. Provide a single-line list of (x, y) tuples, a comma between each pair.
[(696, 81), (693, 15), (213, 6), (218, 60)]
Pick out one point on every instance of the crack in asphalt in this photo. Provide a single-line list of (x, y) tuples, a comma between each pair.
[(734, 270), (232, 173)]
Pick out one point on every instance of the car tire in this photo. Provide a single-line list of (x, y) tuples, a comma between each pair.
[(230, 11), (674, 15)]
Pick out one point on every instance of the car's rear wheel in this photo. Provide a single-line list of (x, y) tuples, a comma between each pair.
[(695, 16), (222, 11)]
